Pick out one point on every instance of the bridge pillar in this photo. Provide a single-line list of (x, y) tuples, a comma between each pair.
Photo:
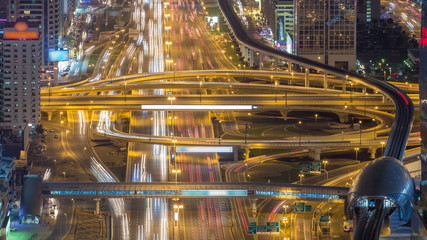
[(251, 58), (247, 152), (364, 90), (325, 81), (49, 115), (343, 117), (254, 207), (373, 151), (276, 64), (290, 67), (314, 153), (284, 114), (97, 200), (306, 78)]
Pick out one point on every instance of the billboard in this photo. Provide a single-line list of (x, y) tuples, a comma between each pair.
[(58, 55)]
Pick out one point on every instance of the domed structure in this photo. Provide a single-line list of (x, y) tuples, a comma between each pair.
[(385, 177)]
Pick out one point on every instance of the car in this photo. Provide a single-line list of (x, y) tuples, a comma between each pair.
[(56, 136), (347, 225)]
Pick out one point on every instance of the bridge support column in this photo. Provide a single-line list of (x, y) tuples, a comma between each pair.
[(251, 58), (247, 152), (49, 116), (307, 78), (276, 64), (314, 153), (97, 209), (364, 90), (343, 117), (284, 114), (290, 67), (344, 87), (325, 81), (373, 151), (254, 207)]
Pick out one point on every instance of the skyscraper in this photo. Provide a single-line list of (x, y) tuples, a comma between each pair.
[(47, 15), (21, 57), (325, 31), (322, 30)]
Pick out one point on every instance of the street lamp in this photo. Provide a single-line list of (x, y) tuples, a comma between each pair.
[(176, 171), (299, 127), (125, 92), (325, 162), (356, 150), (249, 178), (151, 132), (301, 176), (286, 213), (360, 132), (315, 118), (382, 148), (375, 129), (290, 82)]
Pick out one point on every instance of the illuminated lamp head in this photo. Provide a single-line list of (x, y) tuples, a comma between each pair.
[(21, 26)]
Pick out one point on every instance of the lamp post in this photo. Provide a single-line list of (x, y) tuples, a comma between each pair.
[(286, 213), (356, 150), (48, 84), (325, 162), (249, 178), (275, 90), (176, 171), (360, 132), (125, 92), (299, 132), (200, 89), (301, 176), (315, 118), (292, 78), (382, 148), (327, 174), (375, 129), (151, 132)]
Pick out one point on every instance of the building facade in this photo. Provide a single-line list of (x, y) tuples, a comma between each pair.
[(21, 50), (368, 11), (325, 31), (49, 16), (321, 30)]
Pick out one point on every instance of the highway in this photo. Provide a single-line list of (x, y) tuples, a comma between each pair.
[(181, 27), (404, 107)]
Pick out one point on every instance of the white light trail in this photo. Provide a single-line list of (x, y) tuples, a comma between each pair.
[(197, 107)]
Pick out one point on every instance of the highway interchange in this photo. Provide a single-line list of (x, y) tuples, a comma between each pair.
[(174, 39)]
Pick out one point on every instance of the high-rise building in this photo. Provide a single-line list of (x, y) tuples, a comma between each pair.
[(325, 31), (368, 10), (322, 30), (47, 13), (280, 17), (21, 49)]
